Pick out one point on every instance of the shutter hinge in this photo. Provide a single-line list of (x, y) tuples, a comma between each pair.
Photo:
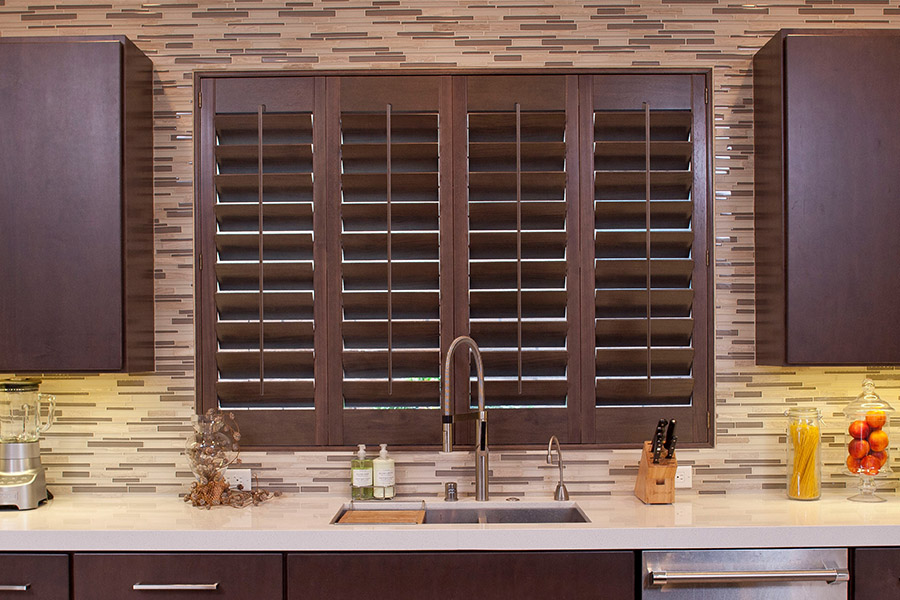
[(707, 258), (199, 99), (200, 262), (708, 420), (706, 94)]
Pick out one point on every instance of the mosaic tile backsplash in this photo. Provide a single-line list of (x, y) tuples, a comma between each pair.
[(126, 433)]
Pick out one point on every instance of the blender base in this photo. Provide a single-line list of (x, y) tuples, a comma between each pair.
[(22, 481)]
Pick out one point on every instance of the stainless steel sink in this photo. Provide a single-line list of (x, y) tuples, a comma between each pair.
[(567, 513), (486, 512)]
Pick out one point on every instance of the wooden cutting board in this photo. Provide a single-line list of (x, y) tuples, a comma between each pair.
[(383, 516)]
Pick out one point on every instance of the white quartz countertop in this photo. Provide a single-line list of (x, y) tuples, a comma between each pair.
[(156, 522)]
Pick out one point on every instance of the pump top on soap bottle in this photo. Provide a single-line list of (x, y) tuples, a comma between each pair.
[(383, 471), (361, 475)]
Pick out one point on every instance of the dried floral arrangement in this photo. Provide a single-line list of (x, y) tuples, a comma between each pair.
[(212, 447)]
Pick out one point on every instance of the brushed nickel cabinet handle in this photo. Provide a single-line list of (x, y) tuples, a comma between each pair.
[(168, 587), (689, 577), (15, 588)]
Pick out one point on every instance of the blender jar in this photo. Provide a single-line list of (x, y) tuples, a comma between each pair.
[(20, 411)]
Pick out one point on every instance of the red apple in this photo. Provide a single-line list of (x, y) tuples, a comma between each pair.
[(858, 448), (881, 456), (859, 430), (870, 465), (853, 464)]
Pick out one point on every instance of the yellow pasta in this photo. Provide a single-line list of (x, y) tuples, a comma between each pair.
[(803, 483)]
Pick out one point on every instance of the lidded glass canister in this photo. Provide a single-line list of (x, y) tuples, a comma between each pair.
[(868, 439), (804, 458)]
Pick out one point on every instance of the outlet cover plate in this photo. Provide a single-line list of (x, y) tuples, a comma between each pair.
[(684, 477), (239, 477)]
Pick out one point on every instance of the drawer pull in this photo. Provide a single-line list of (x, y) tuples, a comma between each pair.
[(15, 588), (688, 577), (168, 587)]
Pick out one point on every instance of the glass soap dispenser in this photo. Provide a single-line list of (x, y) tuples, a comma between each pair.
[(868, 418)]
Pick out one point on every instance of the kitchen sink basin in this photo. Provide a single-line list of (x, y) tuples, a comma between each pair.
[(569, 513), (482, 512)]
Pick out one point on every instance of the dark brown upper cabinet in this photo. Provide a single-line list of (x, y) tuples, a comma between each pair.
[(76, 205), (827, 152)]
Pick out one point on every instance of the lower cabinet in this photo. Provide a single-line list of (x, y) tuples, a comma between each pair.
[(461, 575), (876, 573), (103, 576), (34, 576)]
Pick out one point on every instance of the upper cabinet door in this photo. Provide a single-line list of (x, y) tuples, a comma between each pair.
[(827, 211), (76, 255)]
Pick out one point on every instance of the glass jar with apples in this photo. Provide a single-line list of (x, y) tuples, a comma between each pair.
[(868, 440)]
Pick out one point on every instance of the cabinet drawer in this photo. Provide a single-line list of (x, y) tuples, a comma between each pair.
[(451, 575), (876, 573), (34, 576), (177, 576)]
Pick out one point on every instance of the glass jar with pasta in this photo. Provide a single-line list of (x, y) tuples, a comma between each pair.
[(804, 459)]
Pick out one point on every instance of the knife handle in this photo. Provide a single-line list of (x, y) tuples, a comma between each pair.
[(672, 447), (670, 435)]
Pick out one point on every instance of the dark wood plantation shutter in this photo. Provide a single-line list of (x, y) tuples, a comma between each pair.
[(521, 167), (649, 241), (389, 287), (260, 262)]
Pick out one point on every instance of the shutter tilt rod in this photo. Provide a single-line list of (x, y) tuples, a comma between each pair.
[(259, 148), (390, 307), (647, 223)]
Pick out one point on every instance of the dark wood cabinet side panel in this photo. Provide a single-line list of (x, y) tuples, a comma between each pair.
[(462, 575), (876, 573), (239, 576), (843, 182), (60, 135), (137, 203), (768, 203), (45, 575)]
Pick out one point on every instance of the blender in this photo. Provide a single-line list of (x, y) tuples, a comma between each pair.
[(22, 482)]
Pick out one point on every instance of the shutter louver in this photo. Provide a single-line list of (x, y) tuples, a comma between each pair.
[(264, 259), (639, 212), (390, 325)]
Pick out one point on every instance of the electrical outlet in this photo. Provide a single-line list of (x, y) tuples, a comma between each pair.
[(684, 477), (239, 477)]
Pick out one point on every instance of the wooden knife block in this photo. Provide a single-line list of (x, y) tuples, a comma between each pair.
[(655, 483)]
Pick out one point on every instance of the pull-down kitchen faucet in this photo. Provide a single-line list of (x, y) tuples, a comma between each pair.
[(481, 447)]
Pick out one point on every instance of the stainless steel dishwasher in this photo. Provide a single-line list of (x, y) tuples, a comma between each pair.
[(792, 574)]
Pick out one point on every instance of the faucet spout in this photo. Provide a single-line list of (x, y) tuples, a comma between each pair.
[(561, 492), (481, 445)]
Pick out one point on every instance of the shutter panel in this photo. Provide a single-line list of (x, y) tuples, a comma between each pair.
[(390, 321), (260, 272), (518, 166), (649, 251)]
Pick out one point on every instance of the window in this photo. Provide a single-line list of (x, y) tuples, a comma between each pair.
[(349, 227)]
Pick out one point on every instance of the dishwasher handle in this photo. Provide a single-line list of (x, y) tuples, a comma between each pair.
[(661, 578)]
